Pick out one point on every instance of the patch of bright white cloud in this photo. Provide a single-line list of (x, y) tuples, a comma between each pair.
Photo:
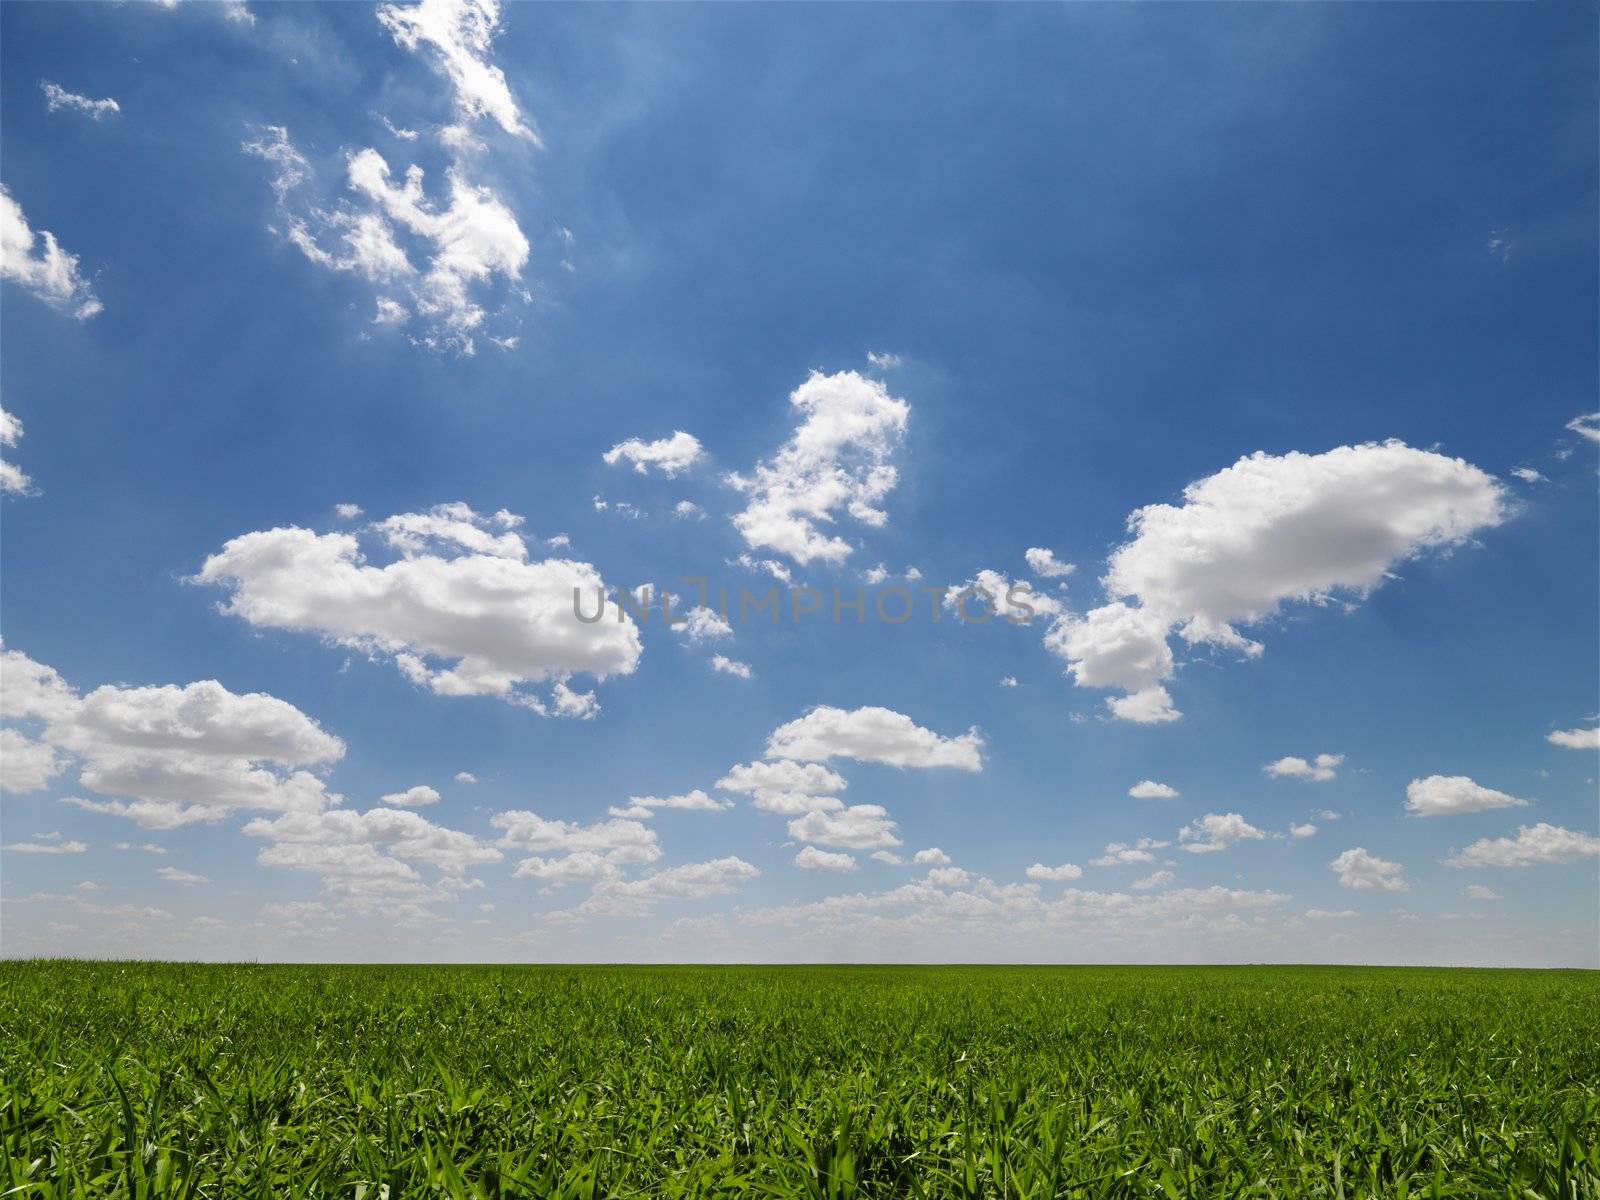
[(415, 797), (884, 361), (1320, 770), (1443, 795), (458, 38), (1046, 565), (1118, 853), (568, 850), (1528, 475), (785, 787), (1216, 831), (932, 856), (858, 827), (687, 510), (26, 765), (1586, 425), (837, 458), (703, 624), (642, 808), (58, 98), (466, 777), (812, 859), (1303, 831), (730, 666), (1008, 681), (1149, 789), (888, 857), (693, 881), (1154, 880), (185, 878), (11, 478), (461, 612), (946, 877), (1533, 845), (1366, 872), (1576, 739), (183, 754), (670, 455), (1055, 874), (1269, 530), (873, 734), (39, 264)]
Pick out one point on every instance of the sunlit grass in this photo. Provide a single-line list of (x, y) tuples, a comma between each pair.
[(175, 1080)]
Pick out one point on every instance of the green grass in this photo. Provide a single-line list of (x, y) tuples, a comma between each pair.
[(245, 1081)]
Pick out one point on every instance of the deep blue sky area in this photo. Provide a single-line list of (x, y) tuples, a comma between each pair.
[(1099, 252)]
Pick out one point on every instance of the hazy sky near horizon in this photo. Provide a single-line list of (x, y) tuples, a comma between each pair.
[(343, 342)]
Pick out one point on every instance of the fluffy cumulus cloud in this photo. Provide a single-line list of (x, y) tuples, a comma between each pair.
[(1319, 770), (415, 797), (457, 37), (1217, 831), (1477, 891), (462, 610), (786, 787), (856, 827), (811, 859), (1118, 853), (37, 262), (702, 625), (932, 856), (11, 477), (442, 252), (1149, 789), (613, 897), (1533, 845), (670, 455), (836, 461), (1054, 874), (871, 734), (730, 666), (167, 755), (642, 808), (1576, 739), (1046, 565), (1269, 530), (564, 851), (372, 851), (58, 99), (1364, 872), (1442, 795)]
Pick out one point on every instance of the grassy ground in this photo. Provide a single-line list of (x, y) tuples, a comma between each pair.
[(238, 1081)]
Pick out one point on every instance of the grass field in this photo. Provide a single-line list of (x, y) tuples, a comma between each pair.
[(176, 1080)]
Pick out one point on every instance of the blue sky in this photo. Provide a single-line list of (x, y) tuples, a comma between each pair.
[(1098, 255)]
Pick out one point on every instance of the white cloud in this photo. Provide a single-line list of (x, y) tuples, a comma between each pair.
[(463, 622), (466, 777), (1046, 565), (1534, 844), (39, 264), (11, 478), (45, 847), (458, 37), (186, 878), (1055, 874), (888, 857), (1528, 475), (838, 457), (1008, 681), (703, 624), (642, 808), (812, 859), (1118, 853), (184, 754), (730, 666), (1154, 880), (1149, 789), (1322, 914), (670, 455), (57, 98), (1320, 770), (692, 881), (1216, 831), (785, 786), (884, 361), (1269, 530), (687, 509), (1367, 872), (1442, 795), (568, 850), (347, 512), (1576, 739), (857, 827), (414, 797), (873, 734), (948, 877), (26, 765), (1586, 425), (1476, 891), (932, 856), (1303, 831)]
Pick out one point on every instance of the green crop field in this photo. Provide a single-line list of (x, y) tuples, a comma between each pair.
[(263, 1081)]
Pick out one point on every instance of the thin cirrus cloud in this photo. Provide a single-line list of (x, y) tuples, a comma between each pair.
[(461, 611), (1444, 795), (1269, 530), (811, 859), (837, 461)]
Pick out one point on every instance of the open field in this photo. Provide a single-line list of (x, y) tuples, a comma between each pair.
[(178, 1080)]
